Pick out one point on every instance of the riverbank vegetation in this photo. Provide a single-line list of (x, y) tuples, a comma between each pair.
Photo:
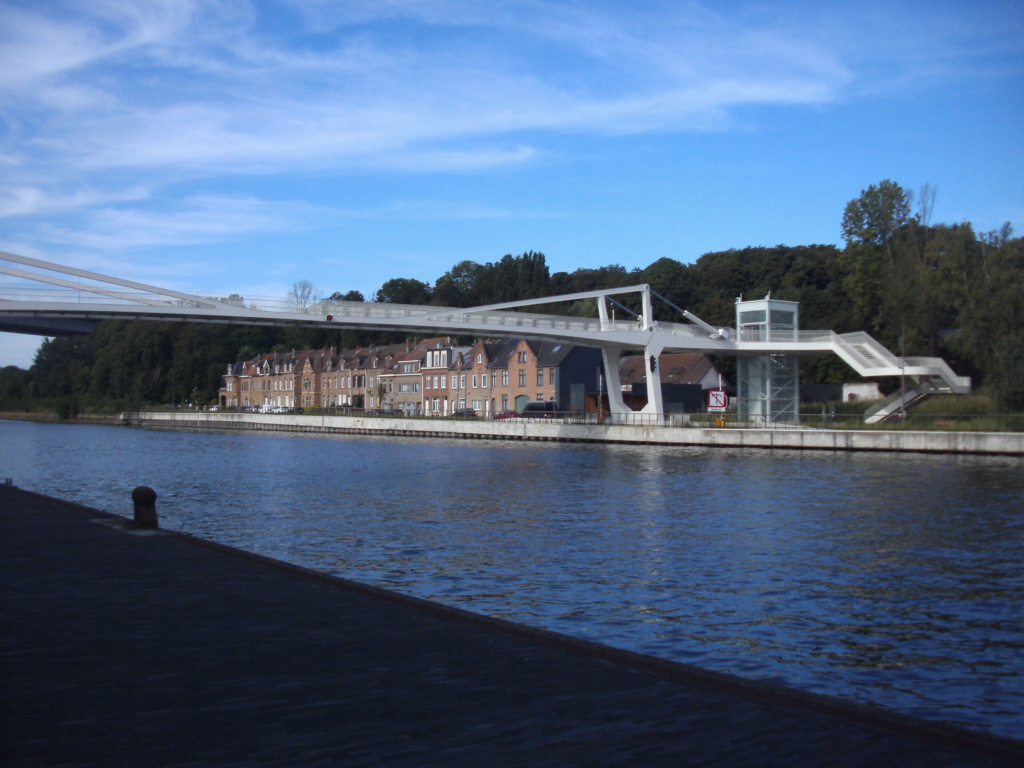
[(927, 289)]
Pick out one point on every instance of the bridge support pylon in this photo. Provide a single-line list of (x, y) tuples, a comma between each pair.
[(612, 357)]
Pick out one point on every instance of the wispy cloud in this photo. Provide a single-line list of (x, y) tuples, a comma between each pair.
[(117, 96), (252, 99), (195, 220), (34, 201)]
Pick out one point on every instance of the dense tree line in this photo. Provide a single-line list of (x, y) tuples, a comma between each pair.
[(937, 290)]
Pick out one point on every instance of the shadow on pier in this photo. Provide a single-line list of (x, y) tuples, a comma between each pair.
[(131, 647)]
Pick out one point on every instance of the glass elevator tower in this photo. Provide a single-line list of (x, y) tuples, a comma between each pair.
[(768, 385)]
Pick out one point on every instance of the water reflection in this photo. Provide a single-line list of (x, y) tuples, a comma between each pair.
[(892, 579)]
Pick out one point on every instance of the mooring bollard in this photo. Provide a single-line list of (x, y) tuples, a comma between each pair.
[(144, 498)]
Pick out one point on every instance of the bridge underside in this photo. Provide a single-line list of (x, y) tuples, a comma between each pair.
[(46, 326)]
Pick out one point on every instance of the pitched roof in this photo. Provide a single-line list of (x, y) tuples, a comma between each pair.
[(680, 368), (550, 353), (499, 351)]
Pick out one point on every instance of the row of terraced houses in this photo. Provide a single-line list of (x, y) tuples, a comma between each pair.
[(436, 377)]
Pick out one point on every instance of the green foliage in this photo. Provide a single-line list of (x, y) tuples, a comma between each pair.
[(1006, 381), (512, 278), (404, 290), (943, 289), (671, 279), (467, 284), (875, 216)]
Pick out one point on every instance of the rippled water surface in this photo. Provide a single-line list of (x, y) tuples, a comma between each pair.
[(887, 578)]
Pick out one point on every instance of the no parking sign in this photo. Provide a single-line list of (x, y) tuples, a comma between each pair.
[(717, 400)]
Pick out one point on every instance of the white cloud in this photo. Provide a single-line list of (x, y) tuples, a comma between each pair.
[(33, 201), (115, 98), (198, 219), (130, 87)]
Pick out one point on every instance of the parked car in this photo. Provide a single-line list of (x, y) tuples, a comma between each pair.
[(464, 413), (507, 415), (544, 409)]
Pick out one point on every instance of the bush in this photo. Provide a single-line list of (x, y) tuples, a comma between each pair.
[(1006, 380)]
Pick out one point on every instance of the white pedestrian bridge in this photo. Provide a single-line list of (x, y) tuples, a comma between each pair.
[(44, 298)]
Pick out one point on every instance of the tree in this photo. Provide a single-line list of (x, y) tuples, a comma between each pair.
[(515, 278), (404, 290), (982, 281), (926, 203), (1007, 375), (672, 280), (874, 217), (303, 294), (870, 223), (464, 285), (350, 296)]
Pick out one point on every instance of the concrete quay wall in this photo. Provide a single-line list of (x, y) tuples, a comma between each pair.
[(996, 443)]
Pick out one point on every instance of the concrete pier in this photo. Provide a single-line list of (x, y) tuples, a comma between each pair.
[(124, 646)]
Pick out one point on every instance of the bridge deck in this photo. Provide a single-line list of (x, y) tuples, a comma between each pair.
[(127, 650)]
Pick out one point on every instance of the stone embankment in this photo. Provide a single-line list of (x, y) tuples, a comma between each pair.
[(994, 443), (48, 417)]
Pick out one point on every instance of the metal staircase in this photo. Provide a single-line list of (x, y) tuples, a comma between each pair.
[(899, 402), (927, 375)]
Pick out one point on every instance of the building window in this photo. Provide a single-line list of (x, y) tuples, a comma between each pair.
[(444, 381), (540, 377), (522, 356), (504, 402), (551, 376), (522, 378), (474, 381), (504, 378), (479, 358), (463, 386)]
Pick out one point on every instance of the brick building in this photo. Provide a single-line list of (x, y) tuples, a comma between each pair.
[(436, 377)]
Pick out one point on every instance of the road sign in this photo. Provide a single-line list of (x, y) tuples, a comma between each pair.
[(717, 400)]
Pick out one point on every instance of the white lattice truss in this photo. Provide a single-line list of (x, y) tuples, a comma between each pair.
[(39, 298)]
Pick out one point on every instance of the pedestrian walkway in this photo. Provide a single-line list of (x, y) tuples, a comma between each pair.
[(124, 648)]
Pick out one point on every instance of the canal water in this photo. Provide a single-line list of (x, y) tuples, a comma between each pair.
[(894, 579)]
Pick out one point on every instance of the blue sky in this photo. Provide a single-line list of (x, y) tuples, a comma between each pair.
[(224, 146)]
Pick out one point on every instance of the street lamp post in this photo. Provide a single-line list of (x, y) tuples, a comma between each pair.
[(903, 377)]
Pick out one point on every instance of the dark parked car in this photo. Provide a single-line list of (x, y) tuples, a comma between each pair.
[(544, 409), (464, 413)]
